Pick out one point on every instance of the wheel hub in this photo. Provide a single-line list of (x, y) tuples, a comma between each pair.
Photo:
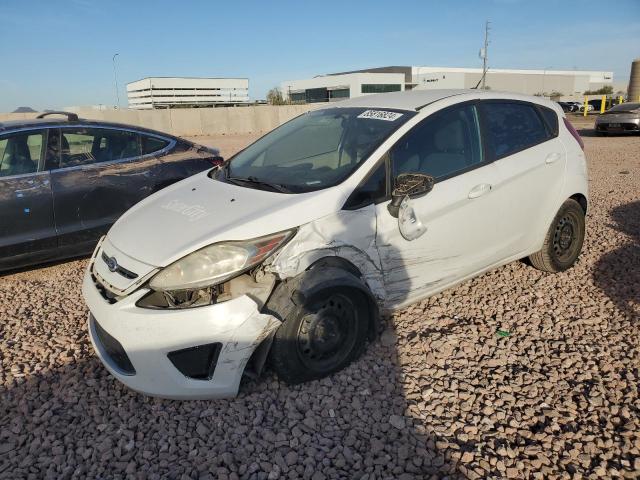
[(324, 335), (564, 236)]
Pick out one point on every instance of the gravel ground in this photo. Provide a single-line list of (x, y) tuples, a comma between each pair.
[(441, 394)]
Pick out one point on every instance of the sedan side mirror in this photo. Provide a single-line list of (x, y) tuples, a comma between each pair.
[(409, 185)]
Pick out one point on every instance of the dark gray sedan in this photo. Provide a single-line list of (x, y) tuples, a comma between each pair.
[(623, 118), (64, 182)]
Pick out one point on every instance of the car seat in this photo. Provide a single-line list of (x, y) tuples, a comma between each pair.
[(18, 157), (448, 153)]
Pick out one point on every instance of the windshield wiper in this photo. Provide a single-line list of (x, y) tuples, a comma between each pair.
[(276, 187)]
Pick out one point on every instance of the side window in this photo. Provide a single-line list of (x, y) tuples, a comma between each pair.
[(152, 144), (20, 153), (83, 146), (442, 145), (551, 119), (511, 127), (372, 189)]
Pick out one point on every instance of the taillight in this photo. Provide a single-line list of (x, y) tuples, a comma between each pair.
[(573, 132), (217, 161)]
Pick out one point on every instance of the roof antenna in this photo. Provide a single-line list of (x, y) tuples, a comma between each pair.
[(483, 55)]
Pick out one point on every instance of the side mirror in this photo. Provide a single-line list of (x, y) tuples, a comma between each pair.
[(409, 185)]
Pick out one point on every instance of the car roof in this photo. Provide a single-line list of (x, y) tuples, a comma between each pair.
[(28, 123), (413, 100)]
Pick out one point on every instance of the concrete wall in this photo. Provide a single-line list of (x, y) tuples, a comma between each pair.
[(193, 121)]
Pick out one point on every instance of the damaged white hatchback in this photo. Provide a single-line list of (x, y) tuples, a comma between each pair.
[(291, 251)]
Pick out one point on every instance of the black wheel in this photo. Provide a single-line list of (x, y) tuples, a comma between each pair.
[(322, 336), (563, 241)]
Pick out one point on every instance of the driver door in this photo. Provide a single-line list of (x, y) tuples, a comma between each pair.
[(461, 214)]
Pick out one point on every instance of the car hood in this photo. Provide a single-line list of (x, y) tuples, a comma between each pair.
[(200, 211)]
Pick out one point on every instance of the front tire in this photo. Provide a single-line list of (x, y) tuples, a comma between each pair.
[(322, 336), (564, 239)]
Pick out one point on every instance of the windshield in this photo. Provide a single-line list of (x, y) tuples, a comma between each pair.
[(316, 150)]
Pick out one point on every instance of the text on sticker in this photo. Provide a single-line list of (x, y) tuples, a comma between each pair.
[(380, 115)]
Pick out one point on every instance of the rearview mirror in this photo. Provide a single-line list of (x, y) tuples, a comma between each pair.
[(410, 185)]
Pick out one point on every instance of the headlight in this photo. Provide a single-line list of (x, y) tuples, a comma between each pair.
[(217, 263)]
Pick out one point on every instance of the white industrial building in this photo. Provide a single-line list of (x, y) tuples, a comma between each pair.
[(329, 88), (338, 86), (172, 92)]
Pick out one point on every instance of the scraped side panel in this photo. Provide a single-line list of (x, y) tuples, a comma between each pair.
[(347, 234)]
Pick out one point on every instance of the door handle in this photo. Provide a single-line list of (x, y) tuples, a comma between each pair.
[(552, 157), (479, 190)]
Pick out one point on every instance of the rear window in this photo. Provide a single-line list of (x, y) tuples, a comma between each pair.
[(512, 127)]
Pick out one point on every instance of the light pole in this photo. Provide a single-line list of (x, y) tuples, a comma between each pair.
[(115, 78)]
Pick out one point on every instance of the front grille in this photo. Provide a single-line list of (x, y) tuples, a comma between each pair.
[(197, 362), (112, 265), (114, 350)]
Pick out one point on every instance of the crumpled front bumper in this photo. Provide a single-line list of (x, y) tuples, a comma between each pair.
[(147, 336)]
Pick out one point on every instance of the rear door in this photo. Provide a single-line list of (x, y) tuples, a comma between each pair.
[(97, 174), (26, 207), (522, 140)]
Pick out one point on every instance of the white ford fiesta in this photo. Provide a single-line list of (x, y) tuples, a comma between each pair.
[(290, 252)]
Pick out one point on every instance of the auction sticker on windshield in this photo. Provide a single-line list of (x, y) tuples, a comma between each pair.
[(380, 115)]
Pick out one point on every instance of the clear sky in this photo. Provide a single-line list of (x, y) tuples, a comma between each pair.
[(56, 53)]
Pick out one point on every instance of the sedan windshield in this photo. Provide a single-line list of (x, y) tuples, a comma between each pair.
[(314, 151)]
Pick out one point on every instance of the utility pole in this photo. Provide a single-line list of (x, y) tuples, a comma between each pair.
[(484, 55), (115, 78)]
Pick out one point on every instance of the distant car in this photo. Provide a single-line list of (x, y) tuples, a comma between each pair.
[(622, 118), (567, 106), (590, 107), (64, 182)]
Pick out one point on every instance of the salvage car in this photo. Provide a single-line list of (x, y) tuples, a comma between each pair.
[(291, 251), (622, 118), (65, 181)]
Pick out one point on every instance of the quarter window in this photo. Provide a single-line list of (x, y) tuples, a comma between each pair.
[(512, 127), (20, 154), (444, 144), (152, 144)]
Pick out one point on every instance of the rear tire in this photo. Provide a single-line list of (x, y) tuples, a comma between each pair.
[(322, 336), (564, 239)]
